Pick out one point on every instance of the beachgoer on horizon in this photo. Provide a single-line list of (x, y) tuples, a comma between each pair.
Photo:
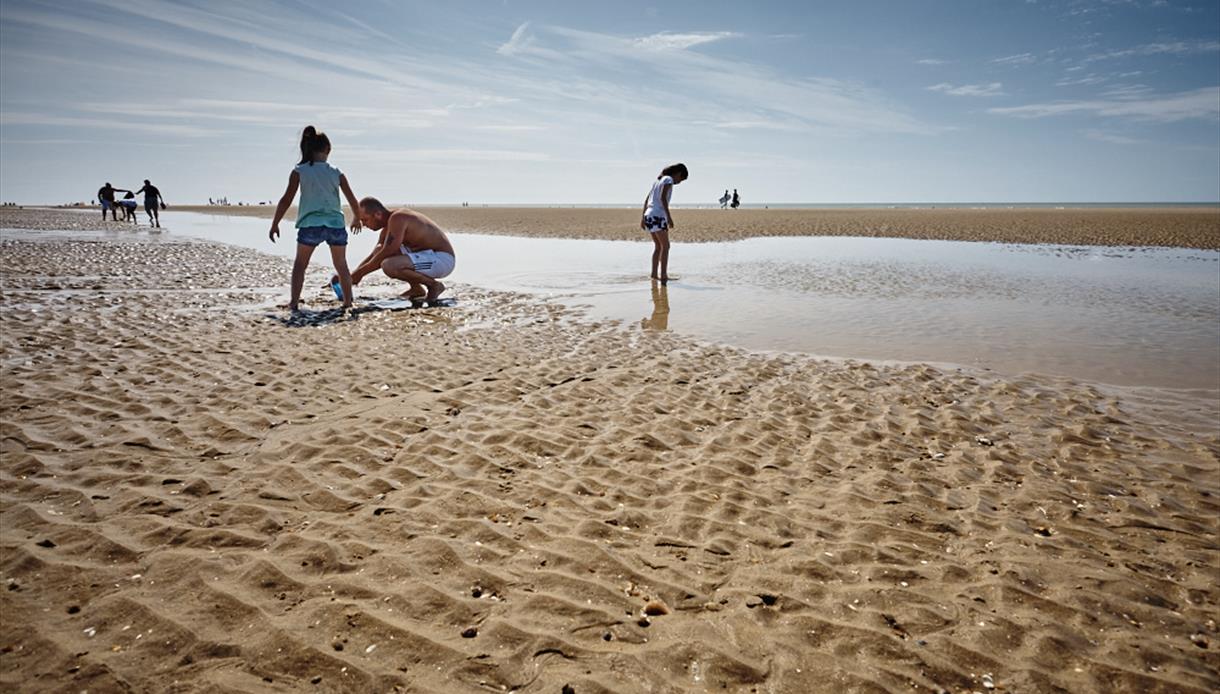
[(411, 248), (736, 200), (319, 214), (152, 199), (105, 196), (724, 199), (656, 218)]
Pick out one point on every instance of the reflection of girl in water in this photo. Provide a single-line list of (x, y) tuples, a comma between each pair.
[(736, 200), (660, 309), (657, 220)]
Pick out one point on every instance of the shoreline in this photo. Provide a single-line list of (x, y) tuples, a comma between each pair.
[(1130, 227)]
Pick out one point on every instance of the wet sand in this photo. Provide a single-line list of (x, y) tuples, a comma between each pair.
[(1181, 227), (198, 497)]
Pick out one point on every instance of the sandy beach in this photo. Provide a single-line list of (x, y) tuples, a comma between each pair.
[(507, 496), (1189, 227)]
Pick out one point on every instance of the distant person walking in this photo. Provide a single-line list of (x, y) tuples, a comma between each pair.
[(657, 220), (319, 215), (736, 200), (152, 199), (105, 195), (724, 199)]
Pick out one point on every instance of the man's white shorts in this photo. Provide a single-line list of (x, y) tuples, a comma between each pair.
[(434, 264)]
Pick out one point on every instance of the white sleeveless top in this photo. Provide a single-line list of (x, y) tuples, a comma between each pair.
[(656, 197)]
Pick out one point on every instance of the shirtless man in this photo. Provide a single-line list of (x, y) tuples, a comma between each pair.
[(411, 248)]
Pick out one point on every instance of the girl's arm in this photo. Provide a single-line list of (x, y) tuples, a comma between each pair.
[(352, 202), (669, 189), (294, 182)]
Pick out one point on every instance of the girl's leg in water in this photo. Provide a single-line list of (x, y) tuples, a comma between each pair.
[(656, 253), (661, 238)]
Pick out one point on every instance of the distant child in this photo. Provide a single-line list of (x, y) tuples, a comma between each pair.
[(128, 203), (319, 216), (657, 220)]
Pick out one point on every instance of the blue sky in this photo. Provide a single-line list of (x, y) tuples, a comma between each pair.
[(512, 101)]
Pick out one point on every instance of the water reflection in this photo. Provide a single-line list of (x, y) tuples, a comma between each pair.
[(1114, 315), (659, 320)]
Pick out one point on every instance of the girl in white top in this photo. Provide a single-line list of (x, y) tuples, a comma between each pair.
[(657, 220)]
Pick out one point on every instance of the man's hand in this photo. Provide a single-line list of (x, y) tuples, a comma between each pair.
[(275, 231)]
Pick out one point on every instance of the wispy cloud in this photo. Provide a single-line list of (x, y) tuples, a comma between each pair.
[(724, 90), (668, 41), (1112, 138), (1198, 103), (454, 155), (29, 118), (509, 128), (1088, 79), (990, 89), (1018, 59), (519, 42), (1167, 48), (931, 61)]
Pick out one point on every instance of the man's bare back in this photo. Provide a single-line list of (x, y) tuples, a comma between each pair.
[(419, 232)]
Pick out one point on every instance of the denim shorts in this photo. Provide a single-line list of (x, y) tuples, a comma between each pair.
[(312, 236)]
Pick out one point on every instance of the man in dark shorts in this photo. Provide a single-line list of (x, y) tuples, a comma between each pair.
[(105, 195), (152, 198)]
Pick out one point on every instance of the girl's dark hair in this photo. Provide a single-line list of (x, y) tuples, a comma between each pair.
[(675, 170), (312, 142)]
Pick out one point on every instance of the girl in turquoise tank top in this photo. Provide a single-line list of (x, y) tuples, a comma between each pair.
[(319, 216)]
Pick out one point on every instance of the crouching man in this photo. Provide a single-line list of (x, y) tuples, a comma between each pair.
[(411, 248)]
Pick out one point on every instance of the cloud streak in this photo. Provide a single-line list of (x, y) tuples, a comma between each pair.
[(1195, 104), (989, 89), (1167, 48), (667, 41)]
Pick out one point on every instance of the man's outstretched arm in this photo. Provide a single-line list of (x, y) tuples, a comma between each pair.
[(390, 242)]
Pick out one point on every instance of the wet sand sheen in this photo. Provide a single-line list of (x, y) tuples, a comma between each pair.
[(194, 494)]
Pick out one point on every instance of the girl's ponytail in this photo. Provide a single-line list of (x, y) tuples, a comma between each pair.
[(312, 142), (674, 170)]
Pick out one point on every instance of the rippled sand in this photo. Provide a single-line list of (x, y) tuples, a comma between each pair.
[(1182, 227), (502, 496)]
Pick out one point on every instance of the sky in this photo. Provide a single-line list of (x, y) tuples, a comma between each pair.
[(552, 102)]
